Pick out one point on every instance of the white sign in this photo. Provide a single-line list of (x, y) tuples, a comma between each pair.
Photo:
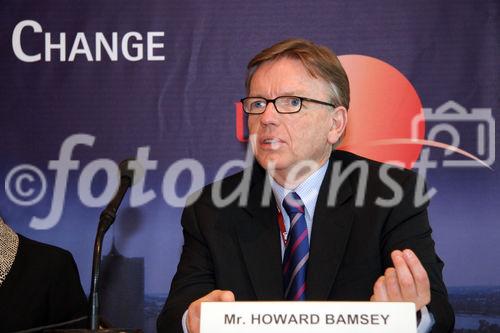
[(305, 317)]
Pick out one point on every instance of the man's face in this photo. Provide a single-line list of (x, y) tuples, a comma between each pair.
[(284, 140)]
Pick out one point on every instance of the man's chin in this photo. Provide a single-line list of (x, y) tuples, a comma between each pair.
[(271, 162)]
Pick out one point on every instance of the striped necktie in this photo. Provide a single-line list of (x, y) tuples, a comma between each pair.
[(297, 249)]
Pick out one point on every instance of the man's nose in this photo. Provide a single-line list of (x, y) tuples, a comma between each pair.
[(270, 116)]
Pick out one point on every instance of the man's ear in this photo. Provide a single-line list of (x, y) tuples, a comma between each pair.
[(339, 123)]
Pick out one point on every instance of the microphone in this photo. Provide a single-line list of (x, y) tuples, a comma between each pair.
[(108, 215), (106, 219)]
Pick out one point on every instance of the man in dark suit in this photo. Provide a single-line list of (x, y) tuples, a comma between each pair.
[(350, 228)]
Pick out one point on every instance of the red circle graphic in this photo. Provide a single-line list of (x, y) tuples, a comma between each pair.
[(383, 105)]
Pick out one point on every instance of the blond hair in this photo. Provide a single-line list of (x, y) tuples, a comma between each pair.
[(319, 61)]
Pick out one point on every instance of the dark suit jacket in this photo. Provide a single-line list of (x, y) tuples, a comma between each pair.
[(43, 287), (237, 247)]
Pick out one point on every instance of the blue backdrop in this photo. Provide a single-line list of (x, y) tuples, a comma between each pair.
[(105, 79)]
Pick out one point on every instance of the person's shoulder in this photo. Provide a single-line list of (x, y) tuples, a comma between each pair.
[(43, 252), (247, 177), (375, 169), (42, 264)]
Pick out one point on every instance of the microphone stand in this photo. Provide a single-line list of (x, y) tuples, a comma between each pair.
[(106, 219)]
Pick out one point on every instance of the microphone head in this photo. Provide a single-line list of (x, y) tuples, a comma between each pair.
[(131, 170)]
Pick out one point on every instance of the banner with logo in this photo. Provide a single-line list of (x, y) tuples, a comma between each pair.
[(85, 85)]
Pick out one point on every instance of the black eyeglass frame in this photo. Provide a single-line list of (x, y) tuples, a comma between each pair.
[(302, 99)]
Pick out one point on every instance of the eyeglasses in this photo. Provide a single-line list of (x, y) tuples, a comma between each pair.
[(283, 104)]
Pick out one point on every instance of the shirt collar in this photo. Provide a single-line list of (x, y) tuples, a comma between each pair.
[(308, 190)]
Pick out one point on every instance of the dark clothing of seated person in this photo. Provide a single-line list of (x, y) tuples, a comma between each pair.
[(39, 285)]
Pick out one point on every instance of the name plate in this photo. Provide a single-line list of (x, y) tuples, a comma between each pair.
[(307, 317)]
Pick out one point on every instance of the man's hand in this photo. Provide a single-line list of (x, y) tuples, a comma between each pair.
[(193, 316), (407, 281)]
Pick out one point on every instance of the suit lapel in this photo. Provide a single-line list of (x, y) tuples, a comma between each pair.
[(330, 232), (260, 243)]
